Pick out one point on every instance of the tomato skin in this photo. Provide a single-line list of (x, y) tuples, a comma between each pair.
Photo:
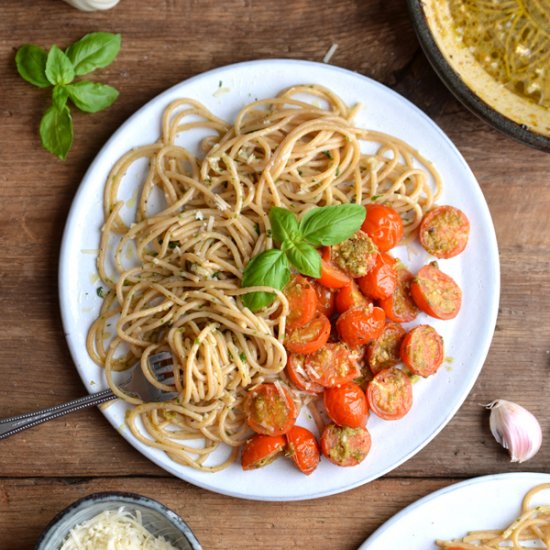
[(385, 351), (349, 296), (389, 394), (436, 293), (383, 225), (444, 231), (400, 307), (331, 276), (345, 446), (360, 325), (302, 301), (381, 281), (261, 450), (325, 300), (294, 368), (332, 365), (303, 449), (310, 337), (422, 350), (346, 405), (268, 412)]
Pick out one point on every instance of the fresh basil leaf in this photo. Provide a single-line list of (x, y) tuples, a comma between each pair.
[(284, 225), (94, 51), (328, 225), (59, 69), (31, 65), (60, 96), (269, 268), (56, 131), (305, 259), (91, 97)]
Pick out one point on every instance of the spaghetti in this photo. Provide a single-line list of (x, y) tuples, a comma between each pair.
[(173, 268), (530, 530)]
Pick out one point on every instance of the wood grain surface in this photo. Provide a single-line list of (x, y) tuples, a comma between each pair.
[(165, 42)]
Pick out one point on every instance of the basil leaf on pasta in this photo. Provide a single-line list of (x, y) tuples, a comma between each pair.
[(328, 225), (94, 51), (31, 65), (91, 97), (59, 69), (305, 259), (284, 225), (56, 131), (269, 268)]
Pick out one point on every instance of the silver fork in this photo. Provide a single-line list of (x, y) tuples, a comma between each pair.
[(161, 365)]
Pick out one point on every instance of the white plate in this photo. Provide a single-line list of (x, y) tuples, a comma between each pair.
[(467, 338), (488, 502)]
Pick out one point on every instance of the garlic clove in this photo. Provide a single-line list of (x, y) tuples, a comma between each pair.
[(515, 428)]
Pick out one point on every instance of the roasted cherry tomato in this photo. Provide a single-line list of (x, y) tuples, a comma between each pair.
[(350, 296), (261, 450), (333, 364), (355, 256), (331, 276), (385, 351), (399, 307), (302, 301), (383, 225), (359, 325), (310, 337), (345, 446), (444, 231), (436, 293), (325, 300), (422, 350), (381, 281), (270, 409), (346, 405), (295, 370), (389, 394), (303, 449)]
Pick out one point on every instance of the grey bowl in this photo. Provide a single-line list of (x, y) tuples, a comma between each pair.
[(157, 518), (461, 91)]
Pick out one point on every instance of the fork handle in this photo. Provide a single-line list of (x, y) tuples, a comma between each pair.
[(15, 424)]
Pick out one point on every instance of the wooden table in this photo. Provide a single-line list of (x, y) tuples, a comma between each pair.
[(166, 41)]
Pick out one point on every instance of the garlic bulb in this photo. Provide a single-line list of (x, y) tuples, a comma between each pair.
[(92, 5), (515, 428)]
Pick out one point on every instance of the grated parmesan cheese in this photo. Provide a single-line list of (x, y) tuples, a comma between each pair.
[(114, 530)]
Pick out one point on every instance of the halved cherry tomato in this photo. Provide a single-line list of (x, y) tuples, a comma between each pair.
[(350, 296), (310, 337), (345, 446), (436, 293), (331, 276), (261, 450), (325, 300), (303, 449), (359, 325), (269, 410), (381, 281), (355, 256), (399, 307), (295, 370), (346, 405), (332, 365), (385, 351), (389, 394), (383, 225), (444, 231), (302, 301), (422, 350)]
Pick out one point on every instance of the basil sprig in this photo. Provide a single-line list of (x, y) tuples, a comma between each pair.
[(59, 68), (297, 240)]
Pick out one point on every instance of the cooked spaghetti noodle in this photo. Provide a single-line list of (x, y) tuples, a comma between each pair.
[(531, 529), (174, 269)]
